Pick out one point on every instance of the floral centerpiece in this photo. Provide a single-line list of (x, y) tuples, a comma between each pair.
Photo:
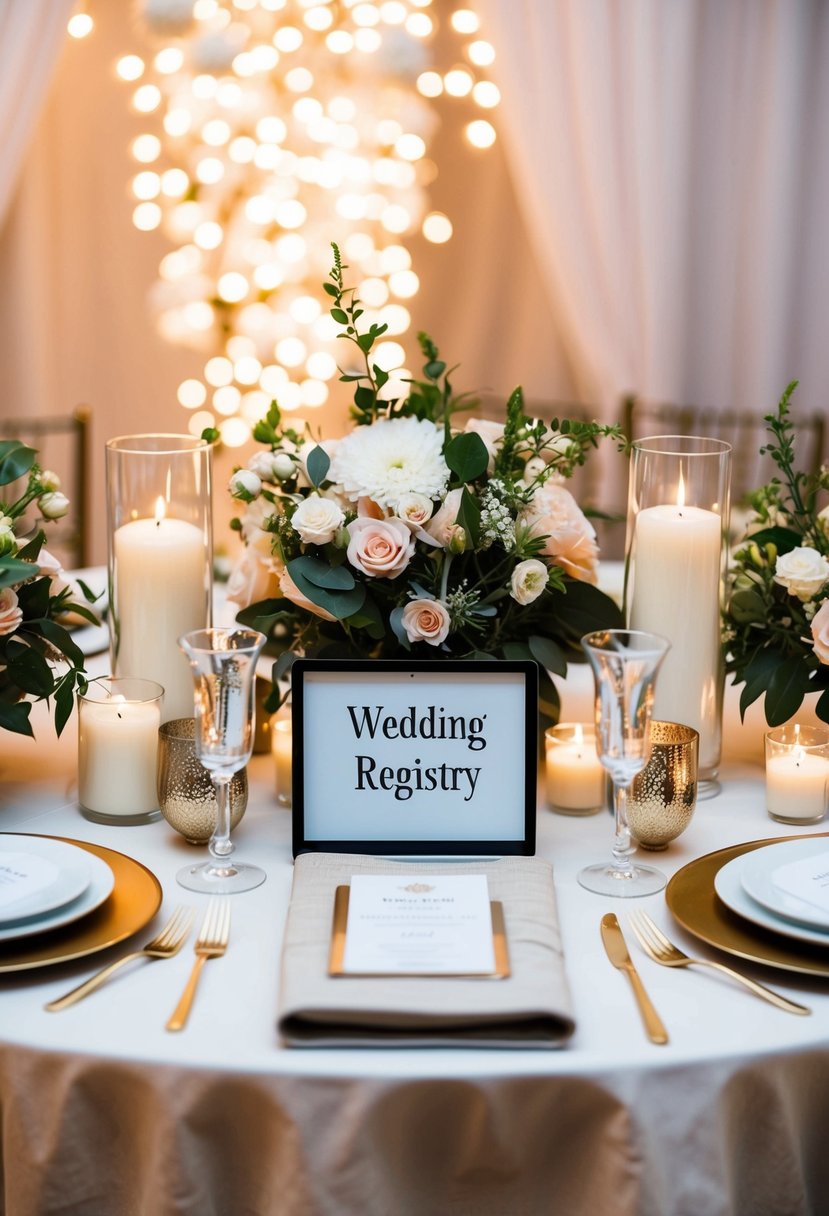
[(411, 536), (38, 658), (777, 613)]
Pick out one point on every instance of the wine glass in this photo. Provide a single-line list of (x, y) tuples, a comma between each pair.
[(625, 663), (223, 664)]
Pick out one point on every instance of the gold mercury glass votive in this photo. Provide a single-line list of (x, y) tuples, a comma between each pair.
[(185, 792), (663, 795)]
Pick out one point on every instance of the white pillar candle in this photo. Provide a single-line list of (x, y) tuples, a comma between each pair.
[(161, 590), (117, 751), (676, 592), (576, 779), (797, 785), (281, 746)]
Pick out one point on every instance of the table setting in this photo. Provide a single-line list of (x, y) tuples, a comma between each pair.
[(706, 889)]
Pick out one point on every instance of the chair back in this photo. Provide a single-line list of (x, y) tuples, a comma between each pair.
[(62, 442)]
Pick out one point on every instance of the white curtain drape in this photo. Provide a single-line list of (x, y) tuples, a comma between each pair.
[(672, 165), (31, 35)]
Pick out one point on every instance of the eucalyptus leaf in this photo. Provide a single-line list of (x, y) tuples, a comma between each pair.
[(396, 622), (340, 603), (787, 688), (15, 718), (318, 464), (16, 458), (333, 578), (783, 538), (467, 456), (549, 655), (13, 571)]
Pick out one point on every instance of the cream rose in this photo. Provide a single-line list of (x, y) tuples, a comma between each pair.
[(381, 548), (317, 520), (440, 526), (820, 632), (426, 621), (53, 505), (254, 577), (802, 572), (10, 614), (570, 539), (529, 579), (291, 592), (414, 509)]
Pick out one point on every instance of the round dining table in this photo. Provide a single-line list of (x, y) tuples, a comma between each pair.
[(106, 1113)]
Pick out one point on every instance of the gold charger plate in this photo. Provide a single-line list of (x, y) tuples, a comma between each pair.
[(135, 899), (694, 903)]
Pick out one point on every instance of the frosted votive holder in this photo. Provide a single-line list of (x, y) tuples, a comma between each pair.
[(576, 780), (797, 773), (118, 721)]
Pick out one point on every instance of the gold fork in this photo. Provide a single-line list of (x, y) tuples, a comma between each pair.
[(210, 943), (654, 942), (164, 945)]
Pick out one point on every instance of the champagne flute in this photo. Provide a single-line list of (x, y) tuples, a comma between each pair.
[(223, 665), (625, 663)]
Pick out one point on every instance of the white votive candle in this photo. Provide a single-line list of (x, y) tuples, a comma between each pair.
[(575, 776), (797, 773), (118, 723), (282, 746), (161, 593)]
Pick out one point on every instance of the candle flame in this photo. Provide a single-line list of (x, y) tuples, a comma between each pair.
[(578, 735), (160, 510), (680, 491)]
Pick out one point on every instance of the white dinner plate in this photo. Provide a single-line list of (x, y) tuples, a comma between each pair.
[(101, 882), (62, 871), (729, 888), (757, 877)]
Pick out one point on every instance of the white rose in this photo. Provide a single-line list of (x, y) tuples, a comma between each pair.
[(53, 505), (253, 578), (426, 621), (820, 632), (261, 463), (414, 509), (245, 485), (529, 579), (317, 520), (802, 572)]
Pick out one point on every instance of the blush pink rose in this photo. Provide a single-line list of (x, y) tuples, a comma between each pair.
[(440, 526), (10, 614), (820, 632), (291, 592), (381, 548), (426, 621), (570, 539)]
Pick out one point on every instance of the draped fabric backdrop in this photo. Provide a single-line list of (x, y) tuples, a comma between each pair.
[(652, 219)]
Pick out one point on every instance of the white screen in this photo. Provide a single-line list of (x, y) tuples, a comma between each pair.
[(460, 737)]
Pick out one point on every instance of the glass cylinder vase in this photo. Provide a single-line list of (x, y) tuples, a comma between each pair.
[(675, 562), (160, 557)]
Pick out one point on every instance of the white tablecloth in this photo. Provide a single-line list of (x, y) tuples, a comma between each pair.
[(106, 1114)]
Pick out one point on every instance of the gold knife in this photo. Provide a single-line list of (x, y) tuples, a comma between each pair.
[(617, 952)]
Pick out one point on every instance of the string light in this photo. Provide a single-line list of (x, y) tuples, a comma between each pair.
[(279, 125)]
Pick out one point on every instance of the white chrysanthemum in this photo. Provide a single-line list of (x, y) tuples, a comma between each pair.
[(393, 457)]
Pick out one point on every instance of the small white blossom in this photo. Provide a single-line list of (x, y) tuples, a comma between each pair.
[(245, 485), (53, 505), (49, 480), (529, 579)]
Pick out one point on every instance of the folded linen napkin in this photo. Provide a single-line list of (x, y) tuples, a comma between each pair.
[(530, 1008)]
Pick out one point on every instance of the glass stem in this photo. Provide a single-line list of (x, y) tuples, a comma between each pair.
[(220, 843), (622, 848)]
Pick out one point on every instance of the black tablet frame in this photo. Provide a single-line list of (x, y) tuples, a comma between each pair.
[(453, 669)]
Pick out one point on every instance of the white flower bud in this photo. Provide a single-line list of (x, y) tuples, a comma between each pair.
[(49, 480), (283, 467), (53, 505), (245, 485)]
